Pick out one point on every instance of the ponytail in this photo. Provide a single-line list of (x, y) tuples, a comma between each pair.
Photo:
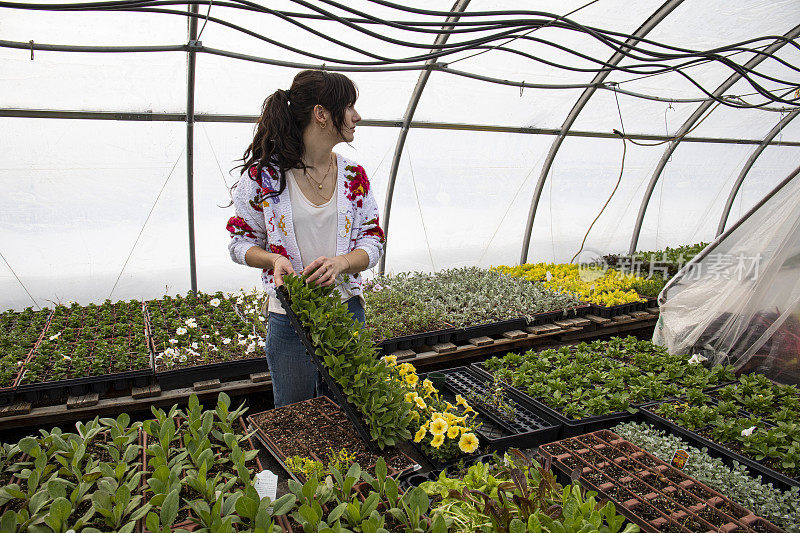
[(278, 140)]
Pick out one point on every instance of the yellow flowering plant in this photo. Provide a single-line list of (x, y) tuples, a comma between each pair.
[(443, 430), (606, 287)]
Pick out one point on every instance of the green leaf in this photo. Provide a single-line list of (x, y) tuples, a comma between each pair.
[(169, 508), (246, 507)]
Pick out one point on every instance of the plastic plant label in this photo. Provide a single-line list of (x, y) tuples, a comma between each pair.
[(266, 485), (679, 459)]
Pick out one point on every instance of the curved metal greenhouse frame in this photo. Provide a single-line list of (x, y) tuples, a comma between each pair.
[(194, 46)]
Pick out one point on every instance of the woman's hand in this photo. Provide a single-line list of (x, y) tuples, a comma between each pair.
[(324, 270), (280, 268)]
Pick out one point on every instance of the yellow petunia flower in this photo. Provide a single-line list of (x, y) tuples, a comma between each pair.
[(448, 406), (437, 441), (420, 434), (410, 397), (427, 385), (412, 379), (453, 431), (420, 402), (439, 426), (468, 443), (460, 400), (390, 359)]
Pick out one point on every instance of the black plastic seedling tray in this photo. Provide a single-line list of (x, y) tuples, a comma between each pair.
[(185, 377), (57, 390), (527, 428), (333, 387), (616, 310), (492, 328), (569, 427), (549, 317), (416, 340), (715, 449)]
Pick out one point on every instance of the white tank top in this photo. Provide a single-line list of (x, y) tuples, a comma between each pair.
[(314, 228)]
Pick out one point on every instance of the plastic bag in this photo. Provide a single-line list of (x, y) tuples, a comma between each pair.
[(739, 302)]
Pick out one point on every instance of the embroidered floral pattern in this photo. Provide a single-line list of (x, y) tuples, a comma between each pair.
[(357, 184), (375, 230), (279, 249), (237, 226)]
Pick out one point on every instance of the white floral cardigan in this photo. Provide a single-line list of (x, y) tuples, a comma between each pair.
[(267, 222)]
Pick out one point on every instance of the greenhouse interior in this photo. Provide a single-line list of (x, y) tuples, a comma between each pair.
[(400, 266)]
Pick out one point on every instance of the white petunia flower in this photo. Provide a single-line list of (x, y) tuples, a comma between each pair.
[(173, 341), (195, 345), (226, 340), (181, 331), (242, 342), (749, 431), (205, 336), (192, 323), (57, 335), (182, 359), (250, 348), (261, 343), (214, 302), (67, 358)]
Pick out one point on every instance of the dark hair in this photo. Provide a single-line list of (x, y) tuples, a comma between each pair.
[(285, 114)]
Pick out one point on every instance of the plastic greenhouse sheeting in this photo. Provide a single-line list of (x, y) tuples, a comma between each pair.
[(740, 303)]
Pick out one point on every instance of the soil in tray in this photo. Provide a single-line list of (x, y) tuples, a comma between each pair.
[(664, 505), (712, 516), (314, 428), (573, 444)]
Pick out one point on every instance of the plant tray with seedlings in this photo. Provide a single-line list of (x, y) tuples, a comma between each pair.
[(417, 340), (19, 334), (734, 481), (192, 458), (87, 480), (593, 386), (649, 492), (551, 316), (478, 302), (200, 337), (251, 307), (455, 469), (507, 417), (308, 438), (617, 310), (92, 348), (753, 422)]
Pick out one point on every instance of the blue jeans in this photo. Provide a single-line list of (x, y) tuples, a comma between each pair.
[(294, 376)]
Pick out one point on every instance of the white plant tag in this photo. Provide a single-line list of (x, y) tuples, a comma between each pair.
[(266, 485)]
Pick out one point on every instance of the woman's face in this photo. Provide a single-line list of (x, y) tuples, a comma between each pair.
[(351, 117)]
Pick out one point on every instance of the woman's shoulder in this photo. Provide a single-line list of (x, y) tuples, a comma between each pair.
[(350, 166)]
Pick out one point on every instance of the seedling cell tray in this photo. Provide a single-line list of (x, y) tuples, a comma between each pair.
[(616, 310), (333, 387), (186, 377), (647, 491), (568, 427), (549, 317), (492, 328), (727, 456), (57, 390), (527, 428), (416, 340)]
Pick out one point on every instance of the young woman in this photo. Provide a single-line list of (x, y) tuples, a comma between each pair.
[(302, 208)]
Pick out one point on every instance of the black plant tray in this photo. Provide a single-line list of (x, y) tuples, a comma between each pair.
[(569, 426), (7, 395), (417, 340), (727, 456), (549, 317), (616, 310), (333, 387), (417, 478), (57, 390), (185, 377), (492, 328), (529, 427)]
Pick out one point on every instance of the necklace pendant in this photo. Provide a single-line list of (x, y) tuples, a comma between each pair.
[(320, 186)]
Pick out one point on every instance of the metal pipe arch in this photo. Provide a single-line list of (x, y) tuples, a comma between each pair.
[(651, 22), (690, 122), (749, 164)]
